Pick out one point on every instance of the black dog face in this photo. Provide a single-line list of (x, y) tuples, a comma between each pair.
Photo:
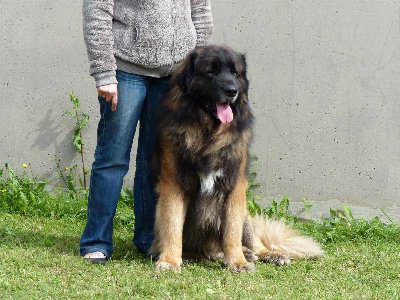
[(223, 72)]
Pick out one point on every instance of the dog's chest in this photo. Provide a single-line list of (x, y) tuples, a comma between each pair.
[(210, 200), (208, 181)]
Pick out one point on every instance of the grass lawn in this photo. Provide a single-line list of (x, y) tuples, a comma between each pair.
[(39, 259)]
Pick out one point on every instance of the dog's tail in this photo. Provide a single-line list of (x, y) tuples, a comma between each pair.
[(275, 237)]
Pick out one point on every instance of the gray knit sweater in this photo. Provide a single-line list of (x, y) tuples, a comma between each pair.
[(145, 37)]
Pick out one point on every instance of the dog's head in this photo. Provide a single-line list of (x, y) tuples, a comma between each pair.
[(215, 78)]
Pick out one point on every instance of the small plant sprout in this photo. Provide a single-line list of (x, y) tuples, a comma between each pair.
[(81, 119)]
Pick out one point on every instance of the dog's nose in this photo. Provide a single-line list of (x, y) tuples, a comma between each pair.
[(230, 90)]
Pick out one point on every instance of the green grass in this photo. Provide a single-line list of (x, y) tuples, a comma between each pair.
[(39, 259), (39, 255)]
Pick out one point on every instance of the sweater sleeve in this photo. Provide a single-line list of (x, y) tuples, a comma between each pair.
[(98, 35), (202, 20)]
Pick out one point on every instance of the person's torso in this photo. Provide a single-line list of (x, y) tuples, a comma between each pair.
[(153, 33)]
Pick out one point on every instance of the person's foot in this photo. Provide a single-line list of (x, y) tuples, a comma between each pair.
[(96, 257)]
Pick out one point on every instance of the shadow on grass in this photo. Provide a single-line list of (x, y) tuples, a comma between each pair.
[(66, 243), (60, 241)]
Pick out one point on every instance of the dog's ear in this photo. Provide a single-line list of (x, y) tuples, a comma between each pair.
[(184, 72), (243, 63), (243, 66), (243, 71)]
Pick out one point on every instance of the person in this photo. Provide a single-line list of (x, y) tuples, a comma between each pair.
[(133, 46)]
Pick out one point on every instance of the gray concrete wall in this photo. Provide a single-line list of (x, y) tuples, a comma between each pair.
[(325, 88)]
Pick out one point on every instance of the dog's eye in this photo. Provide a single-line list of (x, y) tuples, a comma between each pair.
[(211, 71), (234, 71), (213, 68)]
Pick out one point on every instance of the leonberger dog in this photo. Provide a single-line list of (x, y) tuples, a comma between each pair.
[(201, 161)]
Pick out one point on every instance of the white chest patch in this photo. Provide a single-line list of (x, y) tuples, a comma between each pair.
[(208, 180)]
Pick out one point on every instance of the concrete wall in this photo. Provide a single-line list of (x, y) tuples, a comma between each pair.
[(325, 87)]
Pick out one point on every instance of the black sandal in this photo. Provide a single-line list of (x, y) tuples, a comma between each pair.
[(97, 260)]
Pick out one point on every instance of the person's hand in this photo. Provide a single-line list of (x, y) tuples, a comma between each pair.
[(110, 93)]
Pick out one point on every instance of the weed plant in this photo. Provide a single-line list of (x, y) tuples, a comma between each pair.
[(24, 194), (81, 119)]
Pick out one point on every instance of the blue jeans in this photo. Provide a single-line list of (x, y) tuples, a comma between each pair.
[(138, 99)]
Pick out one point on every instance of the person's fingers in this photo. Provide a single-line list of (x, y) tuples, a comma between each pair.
[(109, 93), (101, 92), (108, 97), (114, 102)]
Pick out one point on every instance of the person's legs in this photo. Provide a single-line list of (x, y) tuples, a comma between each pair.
[(144, 196), (115, 133)]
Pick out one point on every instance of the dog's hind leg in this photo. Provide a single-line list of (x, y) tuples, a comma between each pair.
[(248, 240)]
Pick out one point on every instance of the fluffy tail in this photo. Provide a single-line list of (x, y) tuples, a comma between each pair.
[(275, 237)]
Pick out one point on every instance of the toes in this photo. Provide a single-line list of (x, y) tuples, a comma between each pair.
[(238, 268), (162, 266), (276, 259)]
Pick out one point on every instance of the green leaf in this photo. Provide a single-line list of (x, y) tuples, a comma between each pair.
[(40, 185), (84, 120), (348, 212)]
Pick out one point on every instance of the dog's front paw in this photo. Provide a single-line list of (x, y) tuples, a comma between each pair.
[(242, 267), (162, 266), (276, 259)]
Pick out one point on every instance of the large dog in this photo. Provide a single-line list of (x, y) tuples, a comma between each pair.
[(200, 163)]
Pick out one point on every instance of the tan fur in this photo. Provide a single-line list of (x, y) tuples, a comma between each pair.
[(235, 214), (170, 216), (276, 237)]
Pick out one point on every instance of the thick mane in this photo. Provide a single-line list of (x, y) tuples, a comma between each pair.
[(200, 137)]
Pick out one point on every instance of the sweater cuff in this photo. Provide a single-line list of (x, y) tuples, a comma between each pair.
[(105, 78)]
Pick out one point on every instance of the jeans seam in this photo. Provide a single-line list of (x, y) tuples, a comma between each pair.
[(145, 206)]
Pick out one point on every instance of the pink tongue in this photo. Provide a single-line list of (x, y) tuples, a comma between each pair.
[(224, 113)]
